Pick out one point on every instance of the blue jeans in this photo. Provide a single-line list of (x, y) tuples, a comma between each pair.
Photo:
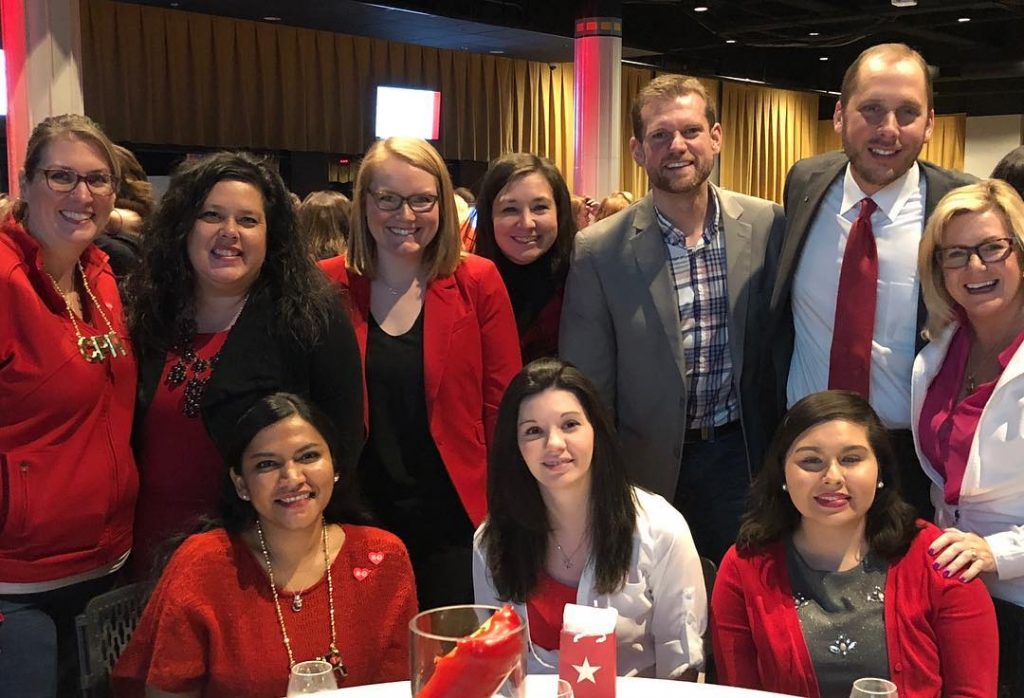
[(38, 647), (713, 491)]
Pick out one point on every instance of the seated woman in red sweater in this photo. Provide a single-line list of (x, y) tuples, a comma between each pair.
[(831, 580), (282, 582)]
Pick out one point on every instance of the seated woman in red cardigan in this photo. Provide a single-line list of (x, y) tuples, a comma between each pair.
[(282, 582), (830, 579)]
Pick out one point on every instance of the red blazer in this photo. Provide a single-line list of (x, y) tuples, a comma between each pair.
[(470, 353), (940, 633)]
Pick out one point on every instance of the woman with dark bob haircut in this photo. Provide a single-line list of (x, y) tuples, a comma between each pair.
[(227, 306), (525, 225), (831, 577), (565, 526), (215, 626)]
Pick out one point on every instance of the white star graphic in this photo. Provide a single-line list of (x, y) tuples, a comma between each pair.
[(586, 671)]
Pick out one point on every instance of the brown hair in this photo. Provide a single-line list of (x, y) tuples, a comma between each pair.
[(612, 204), (443, 254), (669, 87), (71, 126), (986, 195), (324, 222), (891, 53)]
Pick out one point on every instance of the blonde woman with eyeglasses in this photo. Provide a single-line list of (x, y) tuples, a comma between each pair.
[(439, 346), (968, 399), (67, 389)]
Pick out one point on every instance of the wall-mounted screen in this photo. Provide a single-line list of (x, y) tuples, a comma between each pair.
[(406, 112)]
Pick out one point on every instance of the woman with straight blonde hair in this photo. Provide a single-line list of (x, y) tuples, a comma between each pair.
[(967, 396), (439, 345)]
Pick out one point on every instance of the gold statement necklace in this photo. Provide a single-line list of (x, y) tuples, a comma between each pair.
[(98, 347), (333, 655)]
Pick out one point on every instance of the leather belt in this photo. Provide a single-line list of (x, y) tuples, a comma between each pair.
[(711, 433)]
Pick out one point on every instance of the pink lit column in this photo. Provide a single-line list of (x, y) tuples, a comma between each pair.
[(42, 50), (598, 73)]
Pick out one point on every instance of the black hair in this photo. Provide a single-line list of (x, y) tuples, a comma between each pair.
[(772, 516), (1011, 169), (516, 530), (530, 287), (162, 291)]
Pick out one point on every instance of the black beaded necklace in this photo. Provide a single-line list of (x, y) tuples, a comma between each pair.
[(189, 362)]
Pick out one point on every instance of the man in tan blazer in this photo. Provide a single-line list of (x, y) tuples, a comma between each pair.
[(665, 310)]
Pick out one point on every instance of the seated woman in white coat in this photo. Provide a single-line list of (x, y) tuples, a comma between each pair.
[(565, 526), (968, 399)]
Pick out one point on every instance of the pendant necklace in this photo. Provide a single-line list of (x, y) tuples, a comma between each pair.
[(98, 347), (333, 654), (567, 560)]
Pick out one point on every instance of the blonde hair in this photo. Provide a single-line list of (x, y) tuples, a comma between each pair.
[(443, 254), (612, 204), (986, 195)]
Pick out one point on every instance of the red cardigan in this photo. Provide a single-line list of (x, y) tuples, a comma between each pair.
[(470, 354), (940, 634), (67, 475), (211, 625)]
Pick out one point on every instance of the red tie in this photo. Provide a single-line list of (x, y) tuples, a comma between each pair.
[(849, 365)]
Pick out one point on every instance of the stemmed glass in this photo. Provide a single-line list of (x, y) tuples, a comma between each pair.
[(873, 688), (309, 677), (564, 689)]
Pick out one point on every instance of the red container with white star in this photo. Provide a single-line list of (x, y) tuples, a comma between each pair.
[(587, 651)]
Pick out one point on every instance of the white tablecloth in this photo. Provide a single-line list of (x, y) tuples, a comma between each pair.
[(544, 687)]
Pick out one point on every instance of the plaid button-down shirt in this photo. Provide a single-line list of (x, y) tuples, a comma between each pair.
[(699, 276)]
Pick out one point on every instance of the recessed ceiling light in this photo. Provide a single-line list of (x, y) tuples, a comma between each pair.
[(700, 8), (823, 58), (175, 4), (964, 19), (496, 52), (271, 19), (730, 41), (813, 33), (903, 3)]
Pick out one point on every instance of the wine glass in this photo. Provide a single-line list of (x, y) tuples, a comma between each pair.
[(564, 689), (313, 676), (873, 688)]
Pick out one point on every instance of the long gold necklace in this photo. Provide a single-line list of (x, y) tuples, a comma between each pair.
[(333, 655), (95, 348)]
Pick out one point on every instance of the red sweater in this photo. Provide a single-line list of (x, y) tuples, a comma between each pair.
[(940, 634), (211, 624), (67, 475)]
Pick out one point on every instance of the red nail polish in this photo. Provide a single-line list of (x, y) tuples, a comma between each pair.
[(947, 574)]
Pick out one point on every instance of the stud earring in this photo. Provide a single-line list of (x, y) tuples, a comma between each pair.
[(244, 497), (784, 488), (881, 484), (337, 477)]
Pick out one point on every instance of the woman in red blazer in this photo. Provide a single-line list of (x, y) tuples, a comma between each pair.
[(831, 578), (439, 346)]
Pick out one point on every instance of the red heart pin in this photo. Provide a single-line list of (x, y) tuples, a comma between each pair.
[(376, 558), (360, 573)]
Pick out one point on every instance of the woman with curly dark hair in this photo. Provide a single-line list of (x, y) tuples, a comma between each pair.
[(831, 578), (227, 306), (525, 225)]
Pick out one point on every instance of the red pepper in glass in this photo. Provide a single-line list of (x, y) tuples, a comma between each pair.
[(480, 662)]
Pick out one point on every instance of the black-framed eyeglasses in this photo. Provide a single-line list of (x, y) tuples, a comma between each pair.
[(989, 252), (63, 180), (388, 201)]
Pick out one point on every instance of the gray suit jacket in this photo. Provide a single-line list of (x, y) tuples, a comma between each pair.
[(620, 326), (806, 184)]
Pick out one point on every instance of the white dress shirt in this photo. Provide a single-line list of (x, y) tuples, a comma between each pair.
[(663, 606), (897, 224)]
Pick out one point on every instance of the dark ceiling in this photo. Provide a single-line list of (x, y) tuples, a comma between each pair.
[(979, 64)]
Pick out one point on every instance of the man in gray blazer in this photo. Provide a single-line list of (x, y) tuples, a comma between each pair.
[(666, 309), (884, 116)]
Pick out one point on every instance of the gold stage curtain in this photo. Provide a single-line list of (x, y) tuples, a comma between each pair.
[(634, 178), (945, 149), (765, 131), (152, 75)]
